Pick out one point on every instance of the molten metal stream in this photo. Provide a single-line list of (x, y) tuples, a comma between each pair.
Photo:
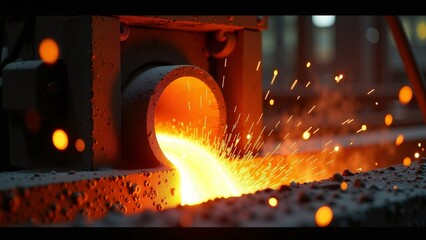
[(203, 176)]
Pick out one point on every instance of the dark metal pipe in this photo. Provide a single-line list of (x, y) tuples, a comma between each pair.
[(413, 72)]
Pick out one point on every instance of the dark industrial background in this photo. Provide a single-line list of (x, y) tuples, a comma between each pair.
[(362, 48)]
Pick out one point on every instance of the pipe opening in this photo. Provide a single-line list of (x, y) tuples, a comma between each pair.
[(188, 108), (182, 101)]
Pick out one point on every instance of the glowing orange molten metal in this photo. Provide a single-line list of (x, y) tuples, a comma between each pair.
[(203, 177)]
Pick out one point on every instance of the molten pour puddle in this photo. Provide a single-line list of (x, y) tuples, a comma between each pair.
[(203, 177)]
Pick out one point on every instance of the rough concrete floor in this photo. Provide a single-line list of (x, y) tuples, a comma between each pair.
[(384, 197)]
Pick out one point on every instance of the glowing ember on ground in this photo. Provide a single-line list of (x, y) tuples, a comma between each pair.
[(406, 161), (344, 186), (273, 202), (323, 216)]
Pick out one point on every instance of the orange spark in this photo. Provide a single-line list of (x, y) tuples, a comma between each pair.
[(275, 75), (267, 93), (323, 216), (406, 161), (294, 84), (306, 135), (399, 140), (405, 94), (60, 139), (388, 119), (338, 78), (80, 145), (48, 50), (344, 186), (273, 202), (258, 66), (307, 84)]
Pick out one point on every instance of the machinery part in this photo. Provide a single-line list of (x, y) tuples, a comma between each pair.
[(35, 97), (220, 43), (176, 40), (200, 23), (35, 85), (91, 52), (168, 99), (124, 31), (54, 196), (407, 56), (100, 59)]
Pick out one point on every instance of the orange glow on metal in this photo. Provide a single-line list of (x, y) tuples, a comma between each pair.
[(344, 186), (406, 162), (273, 202), (203, 177), (80, 145), (388, 119), (323, 216), (60, 139), (399, 140), (48, 50), (405, 95)]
